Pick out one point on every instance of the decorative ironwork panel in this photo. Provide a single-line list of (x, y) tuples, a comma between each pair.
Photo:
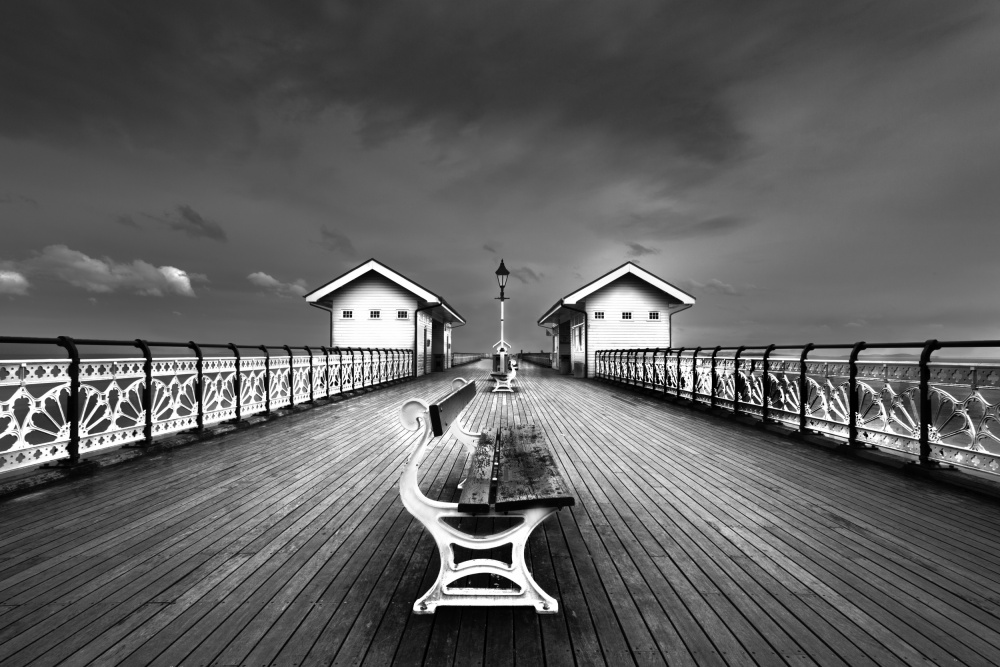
[(725, 382), (703, 383), (300, 378), (175, 395), (33, 424), (280, 382), (322, 376), (219, 391), (685, 378), (252, 389), (784, 397), (660, 370), (111, 404)]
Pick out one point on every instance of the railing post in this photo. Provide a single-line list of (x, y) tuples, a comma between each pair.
[(803, 387), (267, 379), (645, 375), (666, 354), (73, 400), (354, 371), (925, 401), (381, 375), (677, 391), (852, 399), (238, 382), (715, 375), (291, 377), (694, 375), (199, 388), (147, 391), (340, 369), (765, 384), (312, 393), (736, 379), (326, 368)]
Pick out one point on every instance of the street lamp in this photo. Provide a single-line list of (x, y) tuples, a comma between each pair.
[(502, 274)]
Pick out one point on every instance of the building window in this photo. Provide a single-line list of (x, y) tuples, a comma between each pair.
[(598, 314), (627, 315), (654, 315), (347, 314), (375, 314), (402, 314)]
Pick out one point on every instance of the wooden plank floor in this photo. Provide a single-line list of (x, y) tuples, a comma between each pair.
[(694, 541)]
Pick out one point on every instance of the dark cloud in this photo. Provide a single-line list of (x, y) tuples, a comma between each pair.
[(669, 226), (526, 275), (713, 286), (127, 221), (336, 242), (18, 200), (154, 73), (638, 250), (488, 248), (189, 221)]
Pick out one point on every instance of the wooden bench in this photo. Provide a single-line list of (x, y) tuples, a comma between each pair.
[(502, 381), (512, 474)]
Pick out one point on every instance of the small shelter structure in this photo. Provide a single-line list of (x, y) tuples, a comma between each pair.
[(374, 306), (626, 308)]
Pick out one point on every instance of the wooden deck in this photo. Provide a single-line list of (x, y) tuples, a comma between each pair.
[(695, 540)]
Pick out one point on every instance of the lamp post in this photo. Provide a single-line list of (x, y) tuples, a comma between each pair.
[(502, 274)]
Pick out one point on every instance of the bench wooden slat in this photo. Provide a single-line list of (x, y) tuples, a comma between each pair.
[(527, 475), (446, 411), (476, 490)]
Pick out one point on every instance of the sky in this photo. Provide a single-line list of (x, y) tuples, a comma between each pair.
[(811, 171)]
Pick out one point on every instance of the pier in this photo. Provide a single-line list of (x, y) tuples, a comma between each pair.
[(695, 540)]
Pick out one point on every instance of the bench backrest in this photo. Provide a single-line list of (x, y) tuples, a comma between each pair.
[(446, 411)]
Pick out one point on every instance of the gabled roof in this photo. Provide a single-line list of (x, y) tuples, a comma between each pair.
[(579, 295), (421, 292)]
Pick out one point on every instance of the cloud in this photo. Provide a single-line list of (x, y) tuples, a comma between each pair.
[(189, 221), (526, 275), (336, 242), (12, 282), (275, 286), (857, 324), (127, 221), (713, 286), (669, 225), (18, 200), (159, 73), (106, 275), (638, 250), (488, 248)]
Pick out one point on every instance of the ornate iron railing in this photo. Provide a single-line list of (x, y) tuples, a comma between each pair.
[(537, 358), (55, 410), (939, 412), (460, 358)]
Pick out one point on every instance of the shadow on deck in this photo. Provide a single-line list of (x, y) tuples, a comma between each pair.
[(695, 540)]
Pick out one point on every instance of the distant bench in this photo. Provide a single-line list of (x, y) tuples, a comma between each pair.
[(502, 381), (512, 474)]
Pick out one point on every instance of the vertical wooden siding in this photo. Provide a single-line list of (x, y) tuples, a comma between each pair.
[(633, 295), (372, 292)]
